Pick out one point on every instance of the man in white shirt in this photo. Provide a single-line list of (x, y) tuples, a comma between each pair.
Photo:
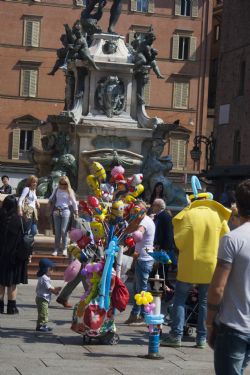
[(144, 238)]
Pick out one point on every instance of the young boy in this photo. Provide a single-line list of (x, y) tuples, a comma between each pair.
[(44, 290)]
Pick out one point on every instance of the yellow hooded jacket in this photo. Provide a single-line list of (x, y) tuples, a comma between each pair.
[(197, 232)]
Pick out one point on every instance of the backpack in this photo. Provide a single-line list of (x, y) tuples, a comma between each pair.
[(120, 295)]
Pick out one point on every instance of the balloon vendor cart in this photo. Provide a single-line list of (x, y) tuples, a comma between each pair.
[(97, 245)]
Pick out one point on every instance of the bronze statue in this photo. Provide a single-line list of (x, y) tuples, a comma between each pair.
[(75, 46), (88, 14), (145, 54)]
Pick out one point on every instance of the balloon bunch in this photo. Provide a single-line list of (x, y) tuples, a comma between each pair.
[(143, 298), (108, 210)]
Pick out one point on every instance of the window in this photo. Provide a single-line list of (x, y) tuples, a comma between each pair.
[(146, 6), (237, 147), (186, 8), (28, 85), (184, 47), (181, 95), (217, 33), (178, 150), (31, 36), (23, 138), (26, 138), (242, 78), (79, 3), (224, 112)]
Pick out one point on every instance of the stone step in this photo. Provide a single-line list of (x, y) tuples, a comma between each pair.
[(43, 251)]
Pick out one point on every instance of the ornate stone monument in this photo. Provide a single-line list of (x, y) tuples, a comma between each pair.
[(104, 117)]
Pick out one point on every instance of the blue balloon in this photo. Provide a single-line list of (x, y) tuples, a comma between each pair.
[(105, 282)]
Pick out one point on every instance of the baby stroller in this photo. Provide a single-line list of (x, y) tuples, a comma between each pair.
[(191, 312)]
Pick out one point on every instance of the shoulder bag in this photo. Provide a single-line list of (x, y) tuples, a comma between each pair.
[(25, 245)]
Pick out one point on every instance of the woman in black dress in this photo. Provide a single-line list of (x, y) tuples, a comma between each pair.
[(12, 270)]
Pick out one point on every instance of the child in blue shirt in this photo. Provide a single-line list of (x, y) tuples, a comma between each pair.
[(44, 290)]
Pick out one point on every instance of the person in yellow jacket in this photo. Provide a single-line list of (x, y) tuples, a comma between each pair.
[(197, 232)]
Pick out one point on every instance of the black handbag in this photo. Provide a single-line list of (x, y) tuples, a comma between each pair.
[(25, 246)]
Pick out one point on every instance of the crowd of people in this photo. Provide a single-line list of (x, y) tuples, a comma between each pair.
[(195, 234)]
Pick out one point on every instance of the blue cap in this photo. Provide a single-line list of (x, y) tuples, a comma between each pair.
[(44, 265)]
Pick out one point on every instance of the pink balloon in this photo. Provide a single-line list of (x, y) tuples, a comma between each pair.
[(149, 308), (72, 270), (75, 235)]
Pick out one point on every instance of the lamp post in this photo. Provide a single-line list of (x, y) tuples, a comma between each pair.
[(209, 150)]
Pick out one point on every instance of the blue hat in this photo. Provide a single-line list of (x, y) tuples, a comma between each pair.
[(44, 265)]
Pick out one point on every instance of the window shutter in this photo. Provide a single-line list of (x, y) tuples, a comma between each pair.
[(31, 33), (78, 3), (15, 143), (192, 48), (175, 47), (25, 82), (37, 138), (181, 94), (147, 93), (33, 83), (28, 33), (151, 6), (178, 152), (131, 36), (177, 8), (35, 33), (133, 5), (185, 95), (195, 8)]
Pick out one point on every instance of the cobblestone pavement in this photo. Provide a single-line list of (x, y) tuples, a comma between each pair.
[(27, 352)]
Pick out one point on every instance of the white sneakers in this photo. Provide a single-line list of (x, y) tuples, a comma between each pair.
[(64, 253)]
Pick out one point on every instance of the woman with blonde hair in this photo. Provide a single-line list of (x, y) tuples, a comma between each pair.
[(28, 205), (61, 201)]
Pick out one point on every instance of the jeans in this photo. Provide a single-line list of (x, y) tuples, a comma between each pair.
[(178, 312), (61, 221), (142, 271), (71, 285), (231, 351), (43, 311)]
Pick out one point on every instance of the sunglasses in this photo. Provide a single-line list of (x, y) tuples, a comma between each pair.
[(62, 183)]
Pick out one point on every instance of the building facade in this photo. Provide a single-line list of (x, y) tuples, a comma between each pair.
[(30, 35), (232, 114)]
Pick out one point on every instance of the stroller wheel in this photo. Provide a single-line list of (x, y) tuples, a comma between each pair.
[(110, 338), (188, 331)]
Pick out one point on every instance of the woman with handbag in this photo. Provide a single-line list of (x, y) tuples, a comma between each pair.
[(61, 201), (28, 205), (13, 269)]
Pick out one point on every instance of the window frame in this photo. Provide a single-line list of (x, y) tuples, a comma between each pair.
[(32, 19), (177, 165), (21, 91), (174, 99), (184, 14), (23, 153), (192, 45)]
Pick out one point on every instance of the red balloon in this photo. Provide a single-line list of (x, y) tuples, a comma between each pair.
[(93, 201), (130, 242)]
